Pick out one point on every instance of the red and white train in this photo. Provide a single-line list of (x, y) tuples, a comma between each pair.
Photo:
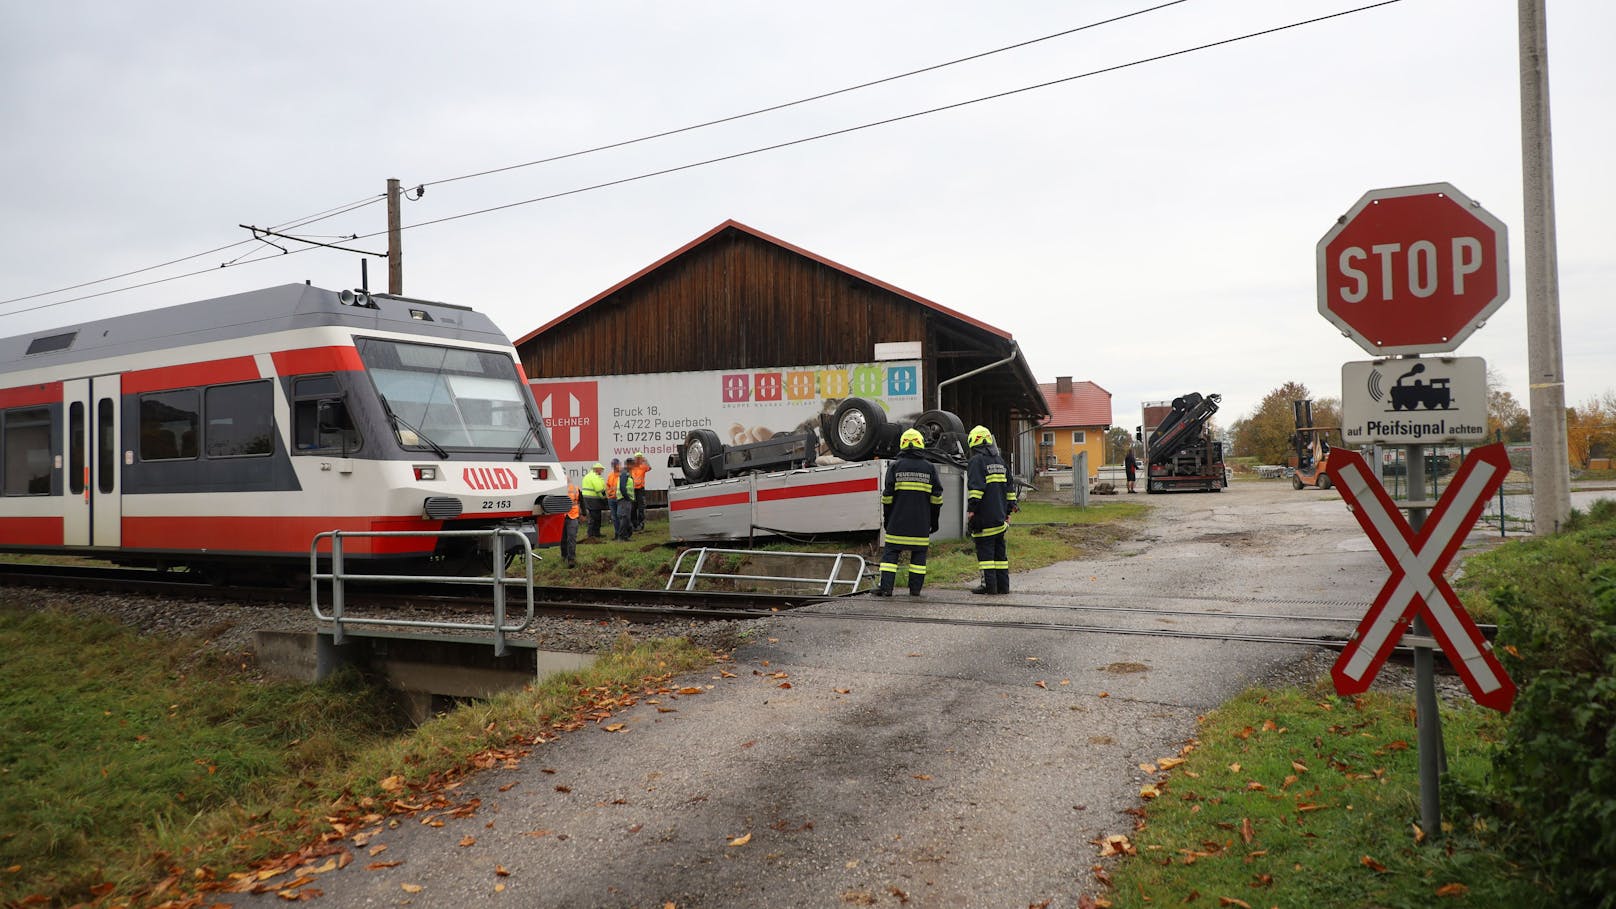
[(229, 432)]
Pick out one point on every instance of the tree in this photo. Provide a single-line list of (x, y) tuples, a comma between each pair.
[(1267, 432), (1591, 429), (1117, 442), (1504, 412)]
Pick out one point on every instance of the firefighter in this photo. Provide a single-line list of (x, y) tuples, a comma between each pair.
[(569, 527), (624, 514), (593, 491), (911, 500), (637, 468), (990, 499)]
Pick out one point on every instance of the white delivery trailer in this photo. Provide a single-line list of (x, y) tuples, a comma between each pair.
[(835, 498)]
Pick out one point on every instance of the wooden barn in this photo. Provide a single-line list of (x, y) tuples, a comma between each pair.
[(737, 298)]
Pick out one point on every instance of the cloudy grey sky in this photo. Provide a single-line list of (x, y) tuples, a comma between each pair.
[(1151, 229)]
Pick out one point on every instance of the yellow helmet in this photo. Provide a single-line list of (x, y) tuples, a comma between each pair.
[(911, 438), (980, 436)]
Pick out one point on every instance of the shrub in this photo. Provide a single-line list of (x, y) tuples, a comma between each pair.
[(1555, 770)]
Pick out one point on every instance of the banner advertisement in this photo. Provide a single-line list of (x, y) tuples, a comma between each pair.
[(597, 418)]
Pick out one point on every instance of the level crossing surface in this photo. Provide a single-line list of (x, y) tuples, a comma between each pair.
[(841, 759)]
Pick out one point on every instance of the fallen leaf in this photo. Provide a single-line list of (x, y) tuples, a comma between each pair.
[(1454, 889), (1255, 786), (1148, 791), (691, 690), (377, 866), (741, 840), (1168, 763), (501, 871), (410, 888), (499, 888), (1148, 768), (1419, 834), (468, 841), (616, 727), (842, 690), (1234, 768), (1245, 830), (1040, 684), (1372, 865), (1231, 901), (922, 776), (392, 784), (1104, 694)]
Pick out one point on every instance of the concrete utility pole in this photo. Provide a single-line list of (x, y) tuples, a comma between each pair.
[(395, 241), (1551, 477)]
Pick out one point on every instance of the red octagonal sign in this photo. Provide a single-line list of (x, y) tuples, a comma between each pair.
[(1413, 269)]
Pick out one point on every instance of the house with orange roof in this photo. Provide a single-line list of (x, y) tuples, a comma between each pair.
[(1079, 416)]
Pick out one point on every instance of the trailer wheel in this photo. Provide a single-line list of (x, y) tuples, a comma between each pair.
[(702, 452), (935, 424), (855, 428)]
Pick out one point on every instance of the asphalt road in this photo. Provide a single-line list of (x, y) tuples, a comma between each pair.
[(906, 764)]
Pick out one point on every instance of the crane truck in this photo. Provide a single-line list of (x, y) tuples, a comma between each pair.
[(1180, 453)]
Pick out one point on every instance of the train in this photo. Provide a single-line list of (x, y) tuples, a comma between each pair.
[(223, 436)]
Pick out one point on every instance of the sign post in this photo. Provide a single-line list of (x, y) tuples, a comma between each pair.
[(1406, 271)]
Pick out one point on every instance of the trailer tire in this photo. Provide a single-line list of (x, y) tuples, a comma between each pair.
[(701, 455), (936, 424), (855, 428)]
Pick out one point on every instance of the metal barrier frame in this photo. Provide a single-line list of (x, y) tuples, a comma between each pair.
[(496, 579), (830, 583)]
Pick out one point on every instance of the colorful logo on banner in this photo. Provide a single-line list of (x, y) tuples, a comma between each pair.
[(571, 411), (869, 381)]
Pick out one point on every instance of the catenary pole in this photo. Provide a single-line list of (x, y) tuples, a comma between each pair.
[(1551, 479), (395, 242)]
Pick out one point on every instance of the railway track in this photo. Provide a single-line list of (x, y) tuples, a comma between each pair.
[(1258, 620)]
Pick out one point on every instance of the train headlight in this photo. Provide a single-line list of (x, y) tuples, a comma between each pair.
[(426, 472)]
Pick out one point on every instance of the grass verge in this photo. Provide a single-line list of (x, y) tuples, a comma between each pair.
[(1298, 797), (135, 768)]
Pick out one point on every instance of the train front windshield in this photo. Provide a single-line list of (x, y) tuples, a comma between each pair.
[(449, 397)]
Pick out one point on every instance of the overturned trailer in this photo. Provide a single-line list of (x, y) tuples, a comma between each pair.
[(784, 487)]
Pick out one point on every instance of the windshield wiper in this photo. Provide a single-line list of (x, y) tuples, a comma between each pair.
[(531, 435), (420, 436)]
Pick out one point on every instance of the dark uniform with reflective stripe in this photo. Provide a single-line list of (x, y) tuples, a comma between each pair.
[(990, 498), (911, 501)]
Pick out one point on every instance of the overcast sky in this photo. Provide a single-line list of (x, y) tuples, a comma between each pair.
[(1151, 229)]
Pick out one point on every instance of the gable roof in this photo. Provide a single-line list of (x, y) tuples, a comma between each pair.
[(1087, 404), (733, 224)]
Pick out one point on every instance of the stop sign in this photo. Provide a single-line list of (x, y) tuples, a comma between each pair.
[(1413, 269)]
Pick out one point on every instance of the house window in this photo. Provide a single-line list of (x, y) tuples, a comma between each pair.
[(1078, 436), (1049, 438)]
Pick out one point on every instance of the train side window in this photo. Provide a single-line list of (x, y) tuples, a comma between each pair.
[(106, 452), (75, 448), (320, 418), (27, 444), (168, 425), (240, 420)]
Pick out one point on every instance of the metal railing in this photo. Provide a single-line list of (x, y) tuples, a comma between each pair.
[(828, 584), (496, 579)]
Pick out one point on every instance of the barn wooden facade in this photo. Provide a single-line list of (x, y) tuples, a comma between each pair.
[(736, 298)]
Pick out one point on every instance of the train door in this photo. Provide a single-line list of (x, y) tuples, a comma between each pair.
[(92, 509)]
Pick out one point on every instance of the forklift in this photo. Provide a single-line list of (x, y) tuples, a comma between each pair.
[(1312, 447)]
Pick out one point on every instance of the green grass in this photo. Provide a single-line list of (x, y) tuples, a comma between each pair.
[(1303, 798), (1553, 568), (127, 758)]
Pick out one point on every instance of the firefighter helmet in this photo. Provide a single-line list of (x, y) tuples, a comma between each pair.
[(911, 438), (980, 436)]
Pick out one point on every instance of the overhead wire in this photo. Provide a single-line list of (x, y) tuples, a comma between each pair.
[(809, 99), (343, 209), (721, 158), (890, 120)]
